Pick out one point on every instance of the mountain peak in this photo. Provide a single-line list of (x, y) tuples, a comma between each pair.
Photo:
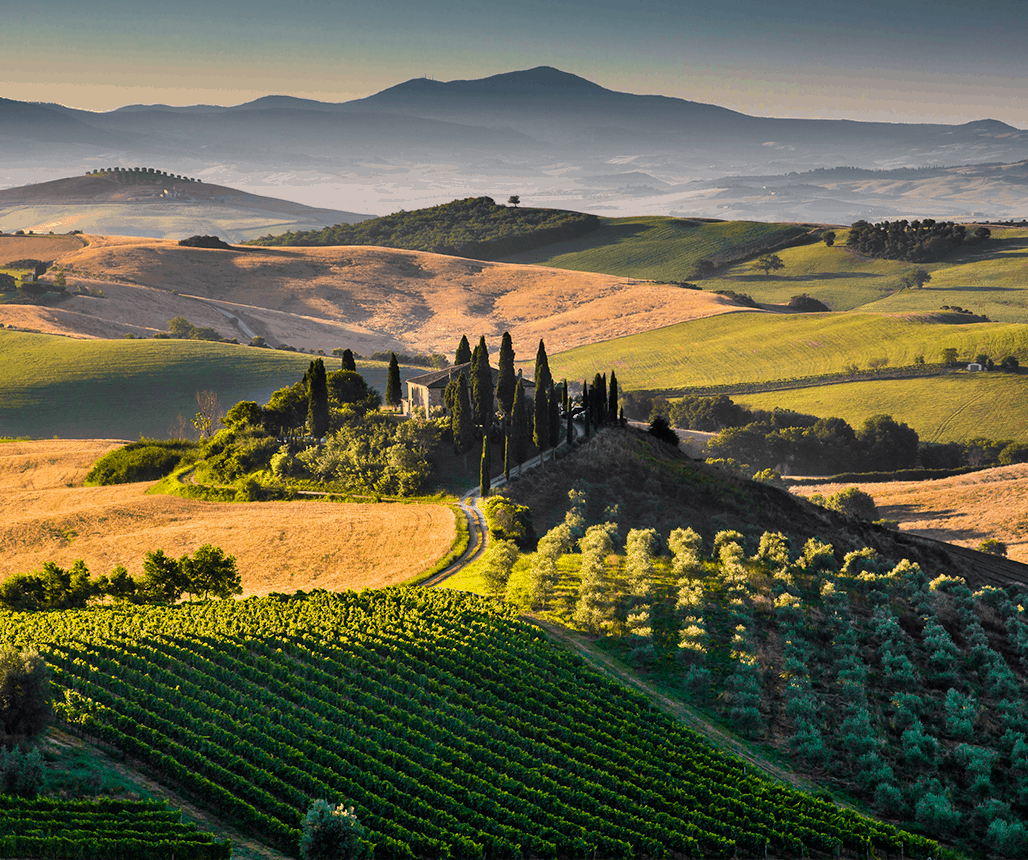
[(541, 80)]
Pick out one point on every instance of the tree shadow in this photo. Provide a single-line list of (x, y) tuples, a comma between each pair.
[(813, 276)]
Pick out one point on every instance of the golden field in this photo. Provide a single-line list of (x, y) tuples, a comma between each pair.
[(46, 514), (366, 298), (964, 509)]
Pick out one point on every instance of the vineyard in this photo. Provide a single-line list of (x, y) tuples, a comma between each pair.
[(104, 828), (455, 731)]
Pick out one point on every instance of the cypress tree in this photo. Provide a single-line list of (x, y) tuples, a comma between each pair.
[(392, 397), (463, 354), (506, 380), (519, 424), (543, 378), (598, 399), (508, 454), (565, 399), (586, 407), (541, 431), (482, 386), (570, 428), (317, 399), (553, 416), (462, 423), (612, 399), (348, 361), (485, 467)]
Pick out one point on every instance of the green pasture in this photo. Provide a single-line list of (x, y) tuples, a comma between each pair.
[(123, 389), (955, 407), (659, 248), (752, 346)]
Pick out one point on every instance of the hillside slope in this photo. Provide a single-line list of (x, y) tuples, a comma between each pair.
[(368, 299)]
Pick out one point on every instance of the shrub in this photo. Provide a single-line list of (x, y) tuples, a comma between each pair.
[(146, 460), (332, 833), (21, 773), (993, 547), (205, 242), (25, 700)]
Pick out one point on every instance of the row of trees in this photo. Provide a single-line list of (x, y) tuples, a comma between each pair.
[(206, 574), (917, 241)]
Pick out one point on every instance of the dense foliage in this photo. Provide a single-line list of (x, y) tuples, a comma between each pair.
[(451, 728), (905, 689), (916, 241), (474, 227), (205, 242), (145, 460), (49, 829)]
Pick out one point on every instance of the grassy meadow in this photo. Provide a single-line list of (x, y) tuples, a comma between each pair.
[(951, 408), (658, 248), (62, 387), (748, 347)]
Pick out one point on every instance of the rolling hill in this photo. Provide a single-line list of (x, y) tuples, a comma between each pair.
[(365, 298), (154, 204)]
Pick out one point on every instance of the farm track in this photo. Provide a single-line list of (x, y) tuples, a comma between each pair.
[(677, 709)]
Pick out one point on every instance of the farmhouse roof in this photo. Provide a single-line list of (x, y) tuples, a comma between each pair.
[(441, 378)]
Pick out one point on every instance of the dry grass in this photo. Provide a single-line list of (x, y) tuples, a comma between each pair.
[(964, 510), (280, 546), (38, 247), (364, 297)]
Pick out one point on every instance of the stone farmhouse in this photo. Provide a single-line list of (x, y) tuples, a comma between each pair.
[(425, 392)]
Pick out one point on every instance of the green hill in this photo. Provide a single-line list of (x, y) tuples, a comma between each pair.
[(806, 631), (662, 249), (453, 729), (473, 227), (122, 389)]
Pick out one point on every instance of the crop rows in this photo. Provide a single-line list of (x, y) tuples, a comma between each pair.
[(109, 829), (453, 729)]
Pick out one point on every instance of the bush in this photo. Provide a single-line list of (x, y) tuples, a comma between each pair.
[(660, 429), (21, 773), (205, 242), (332, 833), (25, 700), (146, 460)]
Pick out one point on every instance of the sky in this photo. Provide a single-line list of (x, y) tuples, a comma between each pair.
[(892, 60)]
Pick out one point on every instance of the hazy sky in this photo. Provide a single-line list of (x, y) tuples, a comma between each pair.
[(896, 60)]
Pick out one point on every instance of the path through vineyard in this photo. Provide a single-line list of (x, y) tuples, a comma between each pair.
[(682, 712)]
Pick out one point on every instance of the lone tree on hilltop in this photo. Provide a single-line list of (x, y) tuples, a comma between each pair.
[(392, 397), (769, 263), (514, 200)]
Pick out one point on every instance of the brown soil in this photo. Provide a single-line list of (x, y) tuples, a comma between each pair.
[(45, 248), (45, 514), (963, 510), (363, 297)]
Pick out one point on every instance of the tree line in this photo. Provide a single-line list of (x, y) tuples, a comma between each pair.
[(206, 574), (922, 241), (473, 227)]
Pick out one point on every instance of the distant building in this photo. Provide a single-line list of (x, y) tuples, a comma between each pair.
[(974, 365), (425, 392)]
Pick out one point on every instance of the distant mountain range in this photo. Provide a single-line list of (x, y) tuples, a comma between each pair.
[(552, 137)]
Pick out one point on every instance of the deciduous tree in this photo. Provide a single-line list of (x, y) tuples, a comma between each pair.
[(769, 263)]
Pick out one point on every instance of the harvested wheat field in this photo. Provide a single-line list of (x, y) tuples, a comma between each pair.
[(964, 509), (45, 514), (364, 297)]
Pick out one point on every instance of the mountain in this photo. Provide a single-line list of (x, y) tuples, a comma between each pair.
[(552, 137), (154, 204)]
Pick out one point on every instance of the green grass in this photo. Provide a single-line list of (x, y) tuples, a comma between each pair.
[(123, 389), (955, 407), (659, 248), (752, 347)]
